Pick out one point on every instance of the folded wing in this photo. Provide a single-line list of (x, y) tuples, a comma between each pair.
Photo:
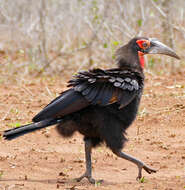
[(68, 102), (104, 87), (95, 87)]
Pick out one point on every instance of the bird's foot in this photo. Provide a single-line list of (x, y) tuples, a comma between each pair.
[(146, 168), (90, 179)]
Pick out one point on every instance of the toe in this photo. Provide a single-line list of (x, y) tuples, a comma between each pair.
[(149, 170)]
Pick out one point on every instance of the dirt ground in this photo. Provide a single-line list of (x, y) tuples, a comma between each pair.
[(44, 161)]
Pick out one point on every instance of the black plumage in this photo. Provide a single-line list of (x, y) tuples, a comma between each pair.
[(100, 104)]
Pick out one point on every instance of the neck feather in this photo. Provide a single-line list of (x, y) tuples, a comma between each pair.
[(128, 59)]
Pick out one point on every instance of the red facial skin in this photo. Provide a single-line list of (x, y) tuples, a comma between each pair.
[(141, 54)]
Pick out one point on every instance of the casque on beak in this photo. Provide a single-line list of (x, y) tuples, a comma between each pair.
[(156, 47)]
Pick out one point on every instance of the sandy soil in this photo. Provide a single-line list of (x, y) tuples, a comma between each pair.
[(45, 161)]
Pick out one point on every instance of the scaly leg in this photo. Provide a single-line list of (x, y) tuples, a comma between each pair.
[(88, 172), (139, 163)]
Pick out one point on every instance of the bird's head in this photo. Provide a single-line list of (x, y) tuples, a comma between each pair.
[(141, 46)]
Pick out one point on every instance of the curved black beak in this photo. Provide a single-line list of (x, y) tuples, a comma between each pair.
[(156, 47)]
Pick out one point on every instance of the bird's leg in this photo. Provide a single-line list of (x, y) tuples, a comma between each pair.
[(88, 172), (139, 163)]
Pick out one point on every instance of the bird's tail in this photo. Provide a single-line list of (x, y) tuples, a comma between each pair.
[(22, 130)]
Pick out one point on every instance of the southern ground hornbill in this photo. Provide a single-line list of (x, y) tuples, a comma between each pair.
[(101, 104)]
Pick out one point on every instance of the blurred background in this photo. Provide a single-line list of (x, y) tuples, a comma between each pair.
[(47, 37)]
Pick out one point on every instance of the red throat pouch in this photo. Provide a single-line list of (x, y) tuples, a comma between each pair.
[(141, 59)]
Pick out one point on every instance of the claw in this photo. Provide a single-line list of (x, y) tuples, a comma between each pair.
[(81, 177), (78, 179), (147, 169), (90, 179)]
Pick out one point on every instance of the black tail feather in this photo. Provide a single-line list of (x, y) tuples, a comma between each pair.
[(19, 131)]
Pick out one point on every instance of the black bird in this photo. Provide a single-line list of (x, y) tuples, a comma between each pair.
[(101, 104)]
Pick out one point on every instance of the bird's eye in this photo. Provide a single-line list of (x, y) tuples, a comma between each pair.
[(144, 44)]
